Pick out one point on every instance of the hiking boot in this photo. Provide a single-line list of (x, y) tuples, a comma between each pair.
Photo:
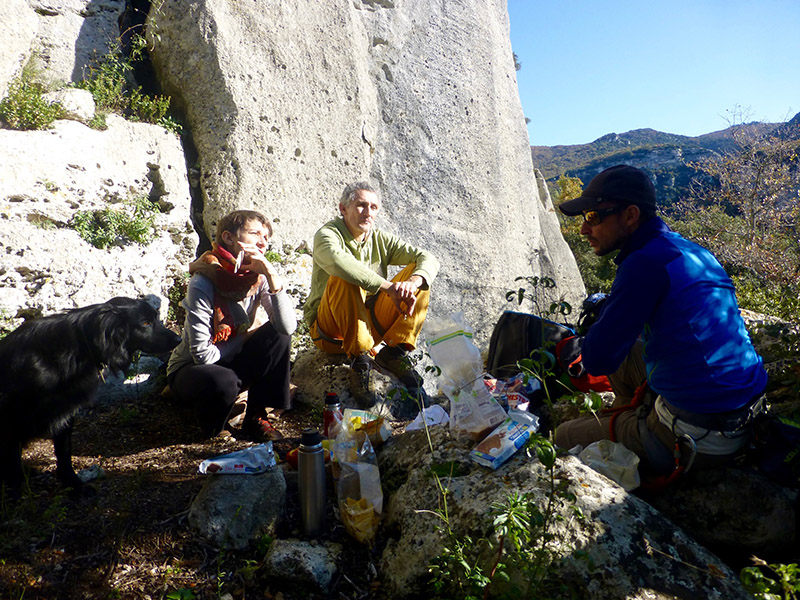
[(405, 406), (361, 386), (396, 360), (260, 430)]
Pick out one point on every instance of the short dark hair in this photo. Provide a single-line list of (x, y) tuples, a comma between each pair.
[(647, 212), (237, 219), (351, 189)]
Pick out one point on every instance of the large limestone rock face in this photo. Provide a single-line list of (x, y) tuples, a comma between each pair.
[(71, 33), (17, 39), (286, 105), (48, 176)]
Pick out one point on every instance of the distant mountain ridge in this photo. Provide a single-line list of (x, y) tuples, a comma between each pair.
[(663, 156)]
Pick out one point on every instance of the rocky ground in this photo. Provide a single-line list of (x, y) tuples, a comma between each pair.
[(129, 537)]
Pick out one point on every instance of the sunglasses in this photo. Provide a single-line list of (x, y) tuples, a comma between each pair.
[(595, 217)]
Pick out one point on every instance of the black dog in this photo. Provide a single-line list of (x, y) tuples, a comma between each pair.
[(51, 367)]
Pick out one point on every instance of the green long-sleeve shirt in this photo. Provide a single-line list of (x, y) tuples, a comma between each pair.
[(365, 264)]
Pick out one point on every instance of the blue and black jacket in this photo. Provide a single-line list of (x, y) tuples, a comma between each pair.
[(677, 297)]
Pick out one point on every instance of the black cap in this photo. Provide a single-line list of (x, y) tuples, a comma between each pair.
[(310, 437), (623, 184)]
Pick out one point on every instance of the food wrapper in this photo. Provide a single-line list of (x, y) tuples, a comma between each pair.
[(363, 422), (250, 461), (428, 417), (505, 440), (358, 482), (360, 519), (512, 393)]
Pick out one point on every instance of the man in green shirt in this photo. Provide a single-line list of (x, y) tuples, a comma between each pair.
[(353, 306)]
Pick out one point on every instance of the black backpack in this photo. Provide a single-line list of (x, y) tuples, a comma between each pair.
[(516, 335)]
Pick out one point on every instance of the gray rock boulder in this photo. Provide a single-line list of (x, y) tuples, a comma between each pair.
[(733, 508), (304, 565), (232, 510), (46, 177), (77, 105), (286, 105), (629, 549)]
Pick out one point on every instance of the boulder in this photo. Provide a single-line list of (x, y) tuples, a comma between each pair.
[(232, 510), (303, 565), (47, 177), (623, 548), (733, 508), (287, 105), (17, 39), (77, 104)]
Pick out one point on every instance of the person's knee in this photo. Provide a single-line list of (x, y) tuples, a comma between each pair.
[(225, 385), (561, 436)]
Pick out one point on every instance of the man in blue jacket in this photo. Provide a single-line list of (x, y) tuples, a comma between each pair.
[(671, 318)]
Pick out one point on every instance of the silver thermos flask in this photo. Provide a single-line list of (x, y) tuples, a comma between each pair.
[(311, 483)]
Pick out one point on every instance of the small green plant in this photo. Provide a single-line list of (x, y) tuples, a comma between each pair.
[(117, 226), (782, 583), (25, 107), (272, 256), (110, 80), (263, 544), (518, 564), (175, 295), (541, 364), (542, 287)]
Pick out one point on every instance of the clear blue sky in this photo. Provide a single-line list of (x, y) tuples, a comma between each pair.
[(591, 67)]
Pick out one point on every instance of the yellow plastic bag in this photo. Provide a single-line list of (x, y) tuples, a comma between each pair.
[(359, 519), (358, 482)]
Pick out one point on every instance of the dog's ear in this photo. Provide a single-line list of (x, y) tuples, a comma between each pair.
[(111, 336)]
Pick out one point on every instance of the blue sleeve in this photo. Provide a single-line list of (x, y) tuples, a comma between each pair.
[(638, 288)]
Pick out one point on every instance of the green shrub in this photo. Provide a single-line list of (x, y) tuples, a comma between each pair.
[(110, 80), (761, 295), (24, 107), (117, 226), (771, 581)]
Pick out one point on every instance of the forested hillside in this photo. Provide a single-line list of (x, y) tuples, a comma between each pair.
[(666, 157), (736, 191)]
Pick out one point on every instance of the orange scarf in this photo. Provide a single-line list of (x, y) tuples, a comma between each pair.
[(218, 265)]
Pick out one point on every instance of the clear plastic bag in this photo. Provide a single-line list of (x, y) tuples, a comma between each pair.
[(613, 460), (358, 486), (473, 410)]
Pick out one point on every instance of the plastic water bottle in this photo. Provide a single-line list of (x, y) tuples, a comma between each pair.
[(311, 483), (332, 417)]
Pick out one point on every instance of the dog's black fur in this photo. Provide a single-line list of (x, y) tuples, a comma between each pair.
[(51, 367)]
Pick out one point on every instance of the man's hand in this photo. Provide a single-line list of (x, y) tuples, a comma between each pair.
[(404, 293)]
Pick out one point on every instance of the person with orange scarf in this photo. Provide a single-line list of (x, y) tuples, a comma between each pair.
[(223, 349)]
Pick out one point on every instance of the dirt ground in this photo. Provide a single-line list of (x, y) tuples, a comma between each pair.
[(129, 537)]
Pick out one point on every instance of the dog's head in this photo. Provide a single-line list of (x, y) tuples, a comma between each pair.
[(126, 325)]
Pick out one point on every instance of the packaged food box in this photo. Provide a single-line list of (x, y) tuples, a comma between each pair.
[(500, 445)]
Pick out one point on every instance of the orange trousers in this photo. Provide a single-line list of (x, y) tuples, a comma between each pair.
[(347, 323)]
